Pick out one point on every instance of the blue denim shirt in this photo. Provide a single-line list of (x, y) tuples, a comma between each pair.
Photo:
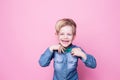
[(65, 65)]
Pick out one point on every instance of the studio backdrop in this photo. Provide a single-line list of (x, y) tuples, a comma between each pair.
[(27, 29)]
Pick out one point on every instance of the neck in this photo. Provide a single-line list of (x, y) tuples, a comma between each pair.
[(68, 49)]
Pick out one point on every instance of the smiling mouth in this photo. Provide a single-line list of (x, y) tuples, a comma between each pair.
[(65, 41)]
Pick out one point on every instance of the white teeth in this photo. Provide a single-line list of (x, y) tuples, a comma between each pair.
[(65, 41)]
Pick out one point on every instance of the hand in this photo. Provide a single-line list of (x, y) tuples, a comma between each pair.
[(58, 47), (78, 52)]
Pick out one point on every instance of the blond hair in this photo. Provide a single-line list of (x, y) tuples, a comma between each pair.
[(65, 22)]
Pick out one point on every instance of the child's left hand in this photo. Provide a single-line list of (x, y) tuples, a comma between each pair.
[(78, 52)]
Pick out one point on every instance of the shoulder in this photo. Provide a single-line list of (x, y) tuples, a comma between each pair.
[(75, 46)]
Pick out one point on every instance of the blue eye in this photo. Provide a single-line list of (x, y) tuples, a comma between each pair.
[(61, 34), (69, 34)]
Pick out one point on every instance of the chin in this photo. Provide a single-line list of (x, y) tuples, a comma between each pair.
[(65, 45)]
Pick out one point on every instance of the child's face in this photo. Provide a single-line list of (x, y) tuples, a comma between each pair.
[(65, 36)]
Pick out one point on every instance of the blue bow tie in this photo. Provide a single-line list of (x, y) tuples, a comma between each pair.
[(68, 49)]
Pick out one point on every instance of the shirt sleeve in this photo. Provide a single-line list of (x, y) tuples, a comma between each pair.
[(45, 58), (90, 61)]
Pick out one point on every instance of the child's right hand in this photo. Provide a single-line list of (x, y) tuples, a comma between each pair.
[(58, 47)]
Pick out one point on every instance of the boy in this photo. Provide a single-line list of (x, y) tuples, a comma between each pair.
[(65, 54)]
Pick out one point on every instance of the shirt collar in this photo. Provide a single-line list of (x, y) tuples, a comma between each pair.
[(69, 48)]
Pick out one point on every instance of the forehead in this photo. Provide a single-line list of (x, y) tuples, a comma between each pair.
[(66, 28)]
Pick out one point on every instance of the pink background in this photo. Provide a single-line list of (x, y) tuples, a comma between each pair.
[(27, 29)]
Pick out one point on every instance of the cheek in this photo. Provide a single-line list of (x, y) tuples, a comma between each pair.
[(71, 37), (59, 37)]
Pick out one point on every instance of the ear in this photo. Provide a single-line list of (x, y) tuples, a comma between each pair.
[(56, 34)]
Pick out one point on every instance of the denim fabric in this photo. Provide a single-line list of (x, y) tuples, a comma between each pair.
[(65, 65)]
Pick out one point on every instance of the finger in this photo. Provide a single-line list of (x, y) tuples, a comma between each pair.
[(62, 50), (62, 46), (59, 50), (72, 53)]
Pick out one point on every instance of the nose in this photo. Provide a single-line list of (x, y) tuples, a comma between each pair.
[(65, 36)]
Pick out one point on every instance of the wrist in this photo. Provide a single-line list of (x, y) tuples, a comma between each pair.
[(51, 49), (84, 56)]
